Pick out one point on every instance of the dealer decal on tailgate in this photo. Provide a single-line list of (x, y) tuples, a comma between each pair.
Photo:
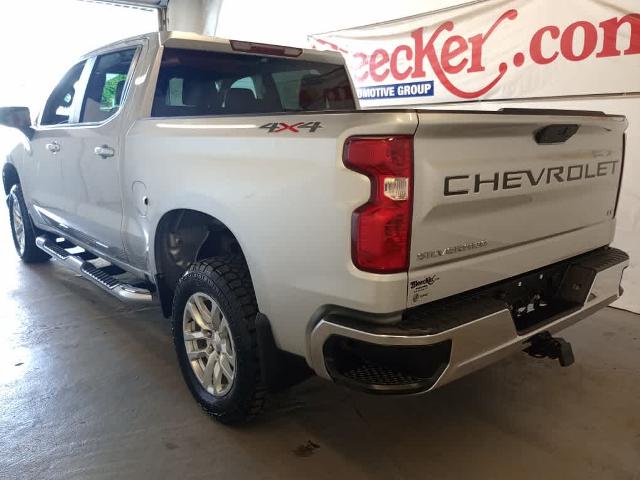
[(276, 127), (420, 288)]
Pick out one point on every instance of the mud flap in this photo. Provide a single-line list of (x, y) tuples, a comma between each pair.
[(280, 369)]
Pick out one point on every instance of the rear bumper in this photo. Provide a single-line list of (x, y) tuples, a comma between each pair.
[(438, 343)]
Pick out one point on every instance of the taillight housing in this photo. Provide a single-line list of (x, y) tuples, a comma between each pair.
[(381, 228)]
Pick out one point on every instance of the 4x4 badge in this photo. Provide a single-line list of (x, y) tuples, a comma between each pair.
[(276, 127)]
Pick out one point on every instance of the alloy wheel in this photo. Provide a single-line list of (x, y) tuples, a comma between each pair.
[(209, 344), (18, 225)]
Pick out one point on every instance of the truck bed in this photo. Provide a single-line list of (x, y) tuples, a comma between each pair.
[(297, 180)]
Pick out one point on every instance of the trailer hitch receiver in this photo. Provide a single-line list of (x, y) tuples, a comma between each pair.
[(543, 345)]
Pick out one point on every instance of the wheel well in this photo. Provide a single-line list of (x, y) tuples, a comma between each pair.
[(9, 177), (182, 238)]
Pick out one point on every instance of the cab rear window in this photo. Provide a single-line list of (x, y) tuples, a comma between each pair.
[(194, 82)]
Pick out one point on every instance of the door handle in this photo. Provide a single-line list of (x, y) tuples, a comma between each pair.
[(104, 151), (53, 147)]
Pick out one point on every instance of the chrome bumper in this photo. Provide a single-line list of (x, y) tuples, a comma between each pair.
[(488, 337)]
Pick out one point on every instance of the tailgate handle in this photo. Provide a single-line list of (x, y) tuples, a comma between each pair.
[(554, 134)]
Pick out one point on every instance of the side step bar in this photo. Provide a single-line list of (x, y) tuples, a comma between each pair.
[(75, 262)]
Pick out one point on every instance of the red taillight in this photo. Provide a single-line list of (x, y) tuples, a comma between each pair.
[(380, 229)]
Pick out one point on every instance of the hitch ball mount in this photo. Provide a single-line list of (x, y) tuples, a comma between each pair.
[(543, 345)]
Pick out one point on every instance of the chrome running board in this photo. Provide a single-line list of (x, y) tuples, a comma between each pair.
[(98, 276)]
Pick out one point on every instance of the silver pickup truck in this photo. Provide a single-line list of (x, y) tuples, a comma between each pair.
[(286, 232)]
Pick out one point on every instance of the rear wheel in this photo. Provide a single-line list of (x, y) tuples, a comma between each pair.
[(22, 230), (214, 311)]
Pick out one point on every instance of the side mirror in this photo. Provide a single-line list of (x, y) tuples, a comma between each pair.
[(17, 117)]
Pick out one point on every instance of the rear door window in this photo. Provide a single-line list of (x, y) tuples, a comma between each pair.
[(106, 88), (194, 82)]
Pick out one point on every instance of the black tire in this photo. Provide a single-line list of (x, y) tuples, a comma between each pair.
[(228, 283), (30, 253)]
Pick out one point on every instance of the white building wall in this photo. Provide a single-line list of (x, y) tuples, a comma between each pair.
[(198, 16)]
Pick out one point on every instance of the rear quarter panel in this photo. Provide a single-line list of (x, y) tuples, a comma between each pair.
[(286, 196)]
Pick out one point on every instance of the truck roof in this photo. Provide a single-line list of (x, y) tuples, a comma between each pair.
[(204, 42)]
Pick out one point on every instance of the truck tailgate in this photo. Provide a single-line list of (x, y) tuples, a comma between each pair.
[(497, 194)]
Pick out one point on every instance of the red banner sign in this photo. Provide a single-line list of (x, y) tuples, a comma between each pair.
[(495, 50)]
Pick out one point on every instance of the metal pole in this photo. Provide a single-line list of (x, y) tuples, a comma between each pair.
[(162, 19)]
